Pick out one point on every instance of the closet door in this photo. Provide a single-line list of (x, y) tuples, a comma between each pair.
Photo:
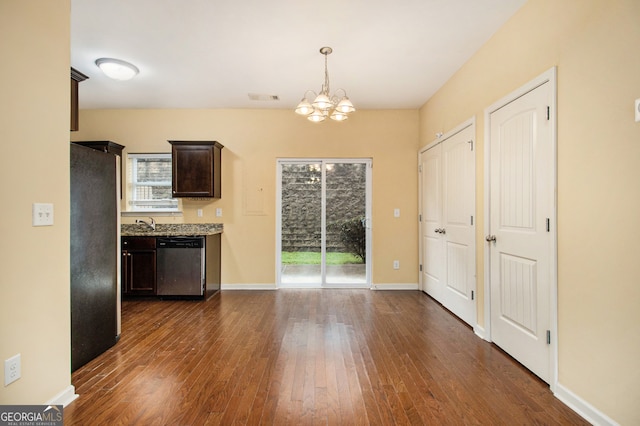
[(458, 203), (431, 212), (447, 226)]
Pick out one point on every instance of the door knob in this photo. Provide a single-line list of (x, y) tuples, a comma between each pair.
[(443, 231), (490, 238)]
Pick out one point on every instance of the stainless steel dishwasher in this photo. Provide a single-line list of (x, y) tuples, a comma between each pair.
[(180, 266)]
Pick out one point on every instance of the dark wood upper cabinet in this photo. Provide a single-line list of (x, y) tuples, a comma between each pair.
[(196, 168), (76, 78)]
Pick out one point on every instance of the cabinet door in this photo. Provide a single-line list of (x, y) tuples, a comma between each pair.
[(139, 272), (196, 169)]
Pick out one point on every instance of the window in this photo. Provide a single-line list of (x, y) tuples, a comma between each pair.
[(150, 183)]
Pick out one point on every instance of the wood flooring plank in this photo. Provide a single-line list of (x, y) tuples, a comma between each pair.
[(317, 357)]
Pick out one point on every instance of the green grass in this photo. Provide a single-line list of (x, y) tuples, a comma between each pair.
[(310, 258)]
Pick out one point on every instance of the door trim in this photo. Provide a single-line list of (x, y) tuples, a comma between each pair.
[(549, 76)]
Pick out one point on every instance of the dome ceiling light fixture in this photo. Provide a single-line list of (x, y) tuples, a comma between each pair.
[(117, 69), (318, 107)]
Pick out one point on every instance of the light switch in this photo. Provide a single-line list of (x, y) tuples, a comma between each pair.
[(218, 212), (42, 214), (396, 212)]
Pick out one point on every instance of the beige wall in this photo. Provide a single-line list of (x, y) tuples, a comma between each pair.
[(594, 44), (253, 140), (34, 166)]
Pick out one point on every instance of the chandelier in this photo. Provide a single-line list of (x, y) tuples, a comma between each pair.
[(318, 107)]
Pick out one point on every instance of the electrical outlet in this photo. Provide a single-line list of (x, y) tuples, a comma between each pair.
[(199, 212), (218, 212), (396, 264), (42, 214), (396, 212), (11, 369)]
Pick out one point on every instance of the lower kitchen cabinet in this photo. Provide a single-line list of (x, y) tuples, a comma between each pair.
[(138, 266), (144, 273)]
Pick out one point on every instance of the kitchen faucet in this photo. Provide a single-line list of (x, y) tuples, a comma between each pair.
[(151, 224)]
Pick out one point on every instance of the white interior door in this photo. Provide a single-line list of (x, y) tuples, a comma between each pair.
[(431, 211), (458, 160), (520, 241), (447, 226)]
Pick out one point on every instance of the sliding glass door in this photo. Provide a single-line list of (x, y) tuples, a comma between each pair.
[(324, 226)]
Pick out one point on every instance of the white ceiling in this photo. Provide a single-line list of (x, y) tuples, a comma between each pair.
[(213, 53)]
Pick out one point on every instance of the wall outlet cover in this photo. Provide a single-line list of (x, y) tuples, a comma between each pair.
[(11, 369), (637, 110), (42, 214)]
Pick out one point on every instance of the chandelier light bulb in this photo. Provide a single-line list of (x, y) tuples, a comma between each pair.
[(304, 107), (317, 116)]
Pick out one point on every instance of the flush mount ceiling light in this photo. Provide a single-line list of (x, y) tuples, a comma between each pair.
[(318, 107), (117, 69)]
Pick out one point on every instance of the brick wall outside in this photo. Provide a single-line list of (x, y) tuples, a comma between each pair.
[(301, 203)]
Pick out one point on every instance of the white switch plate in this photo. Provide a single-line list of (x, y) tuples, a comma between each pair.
[(396, 264), (218, 212), (396, 212), (42, 214), (11, 369), (199, 212), (637, 110)]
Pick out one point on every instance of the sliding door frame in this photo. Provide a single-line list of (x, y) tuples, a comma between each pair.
[(368, 209)]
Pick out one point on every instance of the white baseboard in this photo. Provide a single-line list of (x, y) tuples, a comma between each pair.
[(582, 407), (271, 286), (266, 286), (480, 332), (399, 286), (65, 397)]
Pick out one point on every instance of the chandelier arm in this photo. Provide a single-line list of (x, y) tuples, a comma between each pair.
[(307, 92), (344, 93)]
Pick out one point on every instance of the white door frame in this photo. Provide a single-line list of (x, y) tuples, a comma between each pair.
[(368, 210), (549, 76)]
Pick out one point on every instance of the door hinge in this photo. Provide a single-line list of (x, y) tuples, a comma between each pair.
[(471, 220), (548, 113), (472, 294), (420, 168), (419, 218), (548, 225), (471, 143), (548, 337), (420, 268)]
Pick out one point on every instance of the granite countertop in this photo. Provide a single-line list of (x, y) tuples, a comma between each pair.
[(178, 229)]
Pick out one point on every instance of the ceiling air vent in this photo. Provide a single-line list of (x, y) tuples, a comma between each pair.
[(263, 97)]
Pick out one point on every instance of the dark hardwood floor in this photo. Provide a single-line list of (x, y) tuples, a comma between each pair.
[(306, 357)]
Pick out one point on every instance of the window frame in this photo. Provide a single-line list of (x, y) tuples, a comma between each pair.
[(136, 205)]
